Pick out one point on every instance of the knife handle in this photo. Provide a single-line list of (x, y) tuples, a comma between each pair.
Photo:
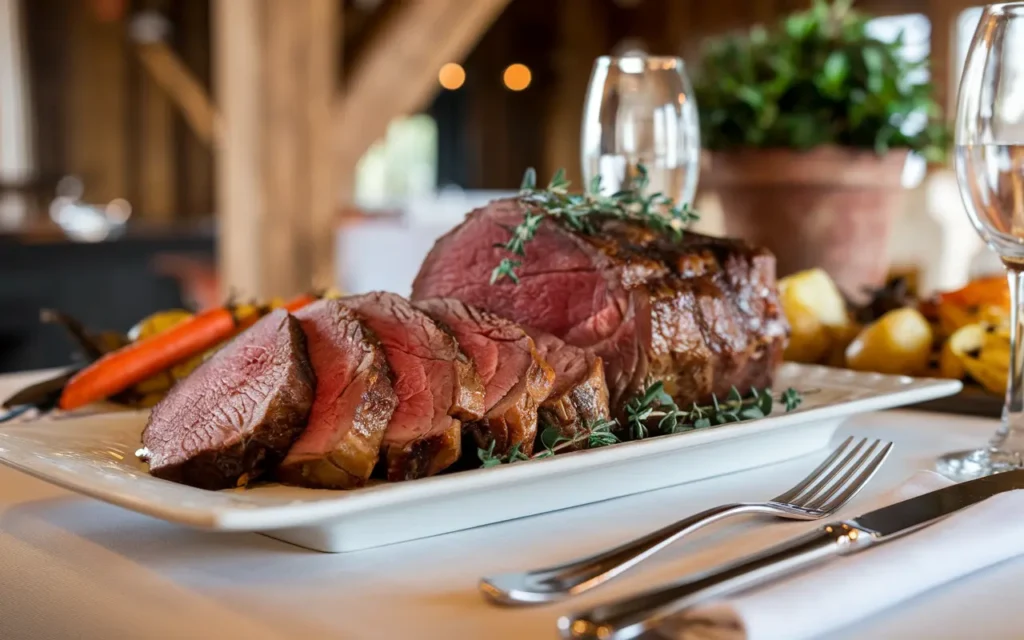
[(631, 617)]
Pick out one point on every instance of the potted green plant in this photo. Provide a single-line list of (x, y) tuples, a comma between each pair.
[(809, 124)]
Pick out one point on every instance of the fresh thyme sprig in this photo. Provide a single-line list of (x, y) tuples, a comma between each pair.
[(650, 403), (582, 211), (597, 434), (594, 434), (654, 402), (490, 459)]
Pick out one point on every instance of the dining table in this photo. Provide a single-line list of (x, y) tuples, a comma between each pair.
[(75, 567)]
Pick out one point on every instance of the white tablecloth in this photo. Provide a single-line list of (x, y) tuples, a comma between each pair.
[(73, 567)]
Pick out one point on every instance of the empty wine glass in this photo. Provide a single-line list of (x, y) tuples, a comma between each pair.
[(990, 172), (640, 110)]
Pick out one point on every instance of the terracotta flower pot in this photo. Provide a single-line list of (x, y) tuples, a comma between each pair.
[(830, 207)]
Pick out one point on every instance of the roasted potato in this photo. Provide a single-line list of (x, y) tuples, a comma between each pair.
[(900, 342), (966, 340), (817, 315), (815, 289), (809, 339)]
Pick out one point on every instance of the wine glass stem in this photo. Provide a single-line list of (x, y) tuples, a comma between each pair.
[(1010, 437)]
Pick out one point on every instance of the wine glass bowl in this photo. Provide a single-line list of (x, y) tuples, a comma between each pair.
[(989, 162), (640, 110)]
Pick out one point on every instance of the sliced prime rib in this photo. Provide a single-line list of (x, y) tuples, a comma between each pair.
[(353, 404), (579, 396), (701, 314), (236, 415), (437, 386), (516, 379)]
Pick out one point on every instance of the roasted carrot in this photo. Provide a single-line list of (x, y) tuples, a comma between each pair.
[(992, 290), (121, 369), (136, 362), (298, 302)]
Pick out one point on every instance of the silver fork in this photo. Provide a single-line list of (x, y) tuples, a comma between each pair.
[(836, 480)]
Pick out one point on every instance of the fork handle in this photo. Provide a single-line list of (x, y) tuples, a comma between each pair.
[(632, 617), (554, 583)]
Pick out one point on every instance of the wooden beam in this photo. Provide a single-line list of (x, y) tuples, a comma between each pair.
[(583, 34), (16, 162), (151, 120), (274, 76), (154, 151), (194, 158), (97, 146), (396, 72), (174, 78)]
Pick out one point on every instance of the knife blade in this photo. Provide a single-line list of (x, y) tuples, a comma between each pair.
[(634, 616)]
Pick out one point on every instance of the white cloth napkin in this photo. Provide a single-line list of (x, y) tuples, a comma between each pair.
[(854, 587)]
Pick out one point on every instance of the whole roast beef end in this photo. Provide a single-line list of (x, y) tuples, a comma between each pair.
[(701, 314)]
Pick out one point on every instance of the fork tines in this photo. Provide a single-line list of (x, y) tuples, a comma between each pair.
[(838, 478)]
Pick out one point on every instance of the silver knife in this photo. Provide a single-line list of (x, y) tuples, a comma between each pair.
[(631, 617)]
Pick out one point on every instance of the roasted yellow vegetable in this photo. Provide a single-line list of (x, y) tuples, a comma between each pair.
[(809, 339), (988, 362), (954, 317), (157, 323), (966, 340), (817, 315), (154, 388), (900, 342), (159, 383), (815, 289)]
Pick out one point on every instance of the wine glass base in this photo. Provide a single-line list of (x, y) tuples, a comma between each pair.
[(968, 465)]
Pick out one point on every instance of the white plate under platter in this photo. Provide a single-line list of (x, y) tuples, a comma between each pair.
[(94, 455)]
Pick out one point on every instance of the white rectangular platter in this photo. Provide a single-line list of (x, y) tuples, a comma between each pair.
[(94, 455)]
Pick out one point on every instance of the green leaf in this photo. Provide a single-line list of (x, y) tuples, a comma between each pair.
[(516, 453), (837, 67), (767, 117), (751, 413), (874, 61), (506, 269), (817, 77), (558, 182), (549, 437), (750, 96), (799, 26), (529, 182), (791, 398), (487, 456)]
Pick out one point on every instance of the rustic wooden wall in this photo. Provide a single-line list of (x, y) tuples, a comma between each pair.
[(100, 116), (97, 114)]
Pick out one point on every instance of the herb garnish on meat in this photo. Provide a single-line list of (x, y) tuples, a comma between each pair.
[(580, 212)]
